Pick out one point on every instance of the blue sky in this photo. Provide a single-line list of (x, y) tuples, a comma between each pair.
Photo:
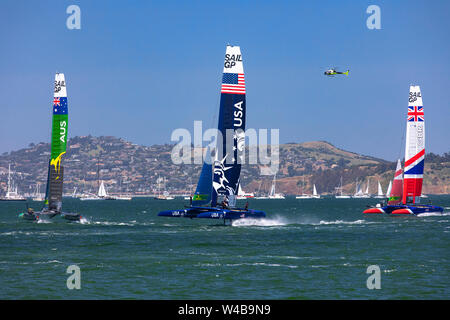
[(140, 69)]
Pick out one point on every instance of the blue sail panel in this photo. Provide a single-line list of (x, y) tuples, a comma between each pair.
[(203, 191)]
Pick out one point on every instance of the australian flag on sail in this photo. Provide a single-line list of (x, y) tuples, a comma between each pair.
[(415, 114), (60, 105), (233, 83)]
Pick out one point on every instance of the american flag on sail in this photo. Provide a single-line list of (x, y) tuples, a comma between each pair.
[(233, 83), (415, 114)]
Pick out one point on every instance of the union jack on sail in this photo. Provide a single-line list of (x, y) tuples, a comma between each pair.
[(415, 113)]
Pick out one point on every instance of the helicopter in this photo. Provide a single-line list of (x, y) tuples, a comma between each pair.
[(333, 72)]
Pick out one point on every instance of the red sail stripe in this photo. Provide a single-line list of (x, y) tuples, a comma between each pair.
[(413, 159)]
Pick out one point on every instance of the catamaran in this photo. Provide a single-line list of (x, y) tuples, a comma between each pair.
[(53, 196), (407, 201), (215, 195)]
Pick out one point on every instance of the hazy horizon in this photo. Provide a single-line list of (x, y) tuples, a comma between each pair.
[(140, 70)]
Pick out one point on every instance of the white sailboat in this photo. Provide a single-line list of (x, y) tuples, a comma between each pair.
[(304, 195), (243, 195), (339, 193), (388, 192), (273, 194), (259, 194), (380, 194), (165, 195), (359, 193), (367, 189), (12, 193), (315, 194), (38, 196)]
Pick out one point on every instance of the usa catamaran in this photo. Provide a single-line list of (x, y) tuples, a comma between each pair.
[(53, 196), (218, 184), (405, 194)]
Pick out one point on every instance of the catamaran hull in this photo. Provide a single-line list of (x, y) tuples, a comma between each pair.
[(213, 213), (415, 210), (47, 215), (404, 210), (28, 216)]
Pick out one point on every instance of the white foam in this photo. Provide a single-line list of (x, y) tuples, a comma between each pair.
[(84, 221), (263, 222), (433, 214), (43, 221), (342, 222)]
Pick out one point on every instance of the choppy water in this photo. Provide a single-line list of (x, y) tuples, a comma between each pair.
[(304, 249)]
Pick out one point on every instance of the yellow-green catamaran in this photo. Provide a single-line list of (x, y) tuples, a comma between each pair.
[(55, 178)]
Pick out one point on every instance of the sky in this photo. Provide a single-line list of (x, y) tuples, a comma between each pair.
[(141, 69)]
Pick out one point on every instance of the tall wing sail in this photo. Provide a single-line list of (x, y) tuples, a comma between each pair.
[(202, 194), (230, 147), (415, 147), (397, 186), (58, 143)]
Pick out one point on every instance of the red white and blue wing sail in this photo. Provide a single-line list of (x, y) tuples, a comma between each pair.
[(415, 147), (230, 148)]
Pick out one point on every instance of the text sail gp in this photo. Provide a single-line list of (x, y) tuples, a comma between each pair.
[(219, 180)]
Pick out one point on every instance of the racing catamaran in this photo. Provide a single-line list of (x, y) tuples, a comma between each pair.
[(54, 190), (215, 196), (407, 201)]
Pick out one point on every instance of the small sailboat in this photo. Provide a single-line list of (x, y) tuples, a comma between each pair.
[(366, 192), (11, 192), (380, 194), (260, 194), (37, 196), (243, 195), (272, 193), (407, 201), (358, 192), (215, 196), (54, 191), (388, 192), (315, 194), (102, 194), (339, 192), (304, 195), (165, 195)]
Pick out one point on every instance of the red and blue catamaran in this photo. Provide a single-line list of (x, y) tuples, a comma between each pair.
[(219, 180), (406, 191)]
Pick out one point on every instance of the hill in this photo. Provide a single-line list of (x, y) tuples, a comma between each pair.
[(125, 166)]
